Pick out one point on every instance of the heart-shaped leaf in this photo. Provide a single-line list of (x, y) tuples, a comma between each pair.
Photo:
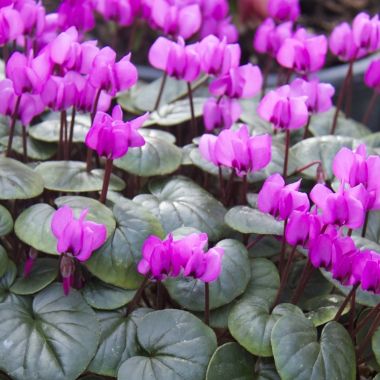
[(118, 340), (156, 157), (190, 293), (267, 246), (3, 261), (72, 177), (176, 345), (116, 261), (103, 296), (6, 221), (300, 356), (43, 273), (232, 362), (180, 202), (6, 280), (18, 181), (52, 337), (248, 220)]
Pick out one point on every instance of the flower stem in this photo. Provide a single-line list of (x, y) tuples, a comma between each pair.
[(364, 230), (93, 114), (342, 92), (287, 145), (345, 302), (207, 304), (106, 180), (306, 131), (159, 296), (368, 317), (251, 244), (66, 137), (370, 108), (138, 295), (305, 277), (303, 168), (72, 124), (368, 337), (25, 143), (161, 91), (191, 100), (283, 249), (221, 185), (12, 127), (244, 190)]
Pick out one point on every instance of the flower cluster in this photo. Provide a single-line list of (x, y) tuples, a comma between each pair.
[(186, 256)]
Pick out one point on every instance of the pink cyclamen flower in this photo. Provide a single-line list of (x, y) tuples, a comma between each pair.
[(78, 13), (32, 14), (221, 113), (281, 200), (176, 59), (356, 168), (341, 42), (87, 96), (120, 11), (217, 9), (207, 145), (111, 137), (112, 76), (219, 28), (284, 110), (11, 25), (319, 95), (341, 209), (242, 152), (77, 237), (240, 82), (216, 56), (284, 10), (366, 32), (176, 20), (372, 75), (269, 37), (303, 55), (298, 228)]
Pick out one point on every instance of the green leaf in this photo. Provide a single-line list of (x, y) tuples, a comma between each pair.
[(118, 340), (17, 181), (72, 177), (232, 362), (232, 282), (116, 261), (376, 345), (320, 125), (265, 370), (300, 356), (377, 377), (268, 246), (43, 273), (33, 227), (6, 221), (36, 150), (103, 296), (372, 231), (3, 261), (6, 280), (156, 157), (321, 149), (176, 346), (53, 337), (251, 322), (48, 130), (248, 220), (180, 202), (127, 99), (250, 117)]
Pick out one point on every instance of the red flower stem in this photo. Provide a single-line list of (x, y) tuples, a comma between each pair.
[(268, 65), (66, 137), (283, 249), (193, 119), (370, 108), (305, 277), (351, 322), (345, 302), (368, 317), (342, 93), (303, 168), (287, 146), (364, 230), (254, 242), (221, 185), (159, 296), (306, 132), (284, 278), (244, 190), (161, 91), (60, 143), (229, 192), (136, 299), (106, 180), (25, 143), (368, 337), (207, 304), (12, 126), (72, 124)]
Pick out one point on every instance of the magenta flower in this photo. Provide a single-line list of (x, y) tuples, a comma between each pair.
[(112, 76), (176, 20), (176, 59), (321, 251), (111, 137), (269, 37), (216, 56), (370, 277), (219, 28), (207, 145), (372, 75), (87, 95), (122, 12), (303, 54), (298, 228), (284, 10), (366, 32), (221, 113), (77, 237), (242, 152), (284, 110), (78, 13), (342, 43), (341, 209), (240, 82), (11, 25), (32, 14), (319, 95), (281, 200)]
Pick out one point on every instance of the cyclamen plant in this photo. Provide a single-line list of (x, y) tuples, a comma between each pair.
[(225, 227)]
